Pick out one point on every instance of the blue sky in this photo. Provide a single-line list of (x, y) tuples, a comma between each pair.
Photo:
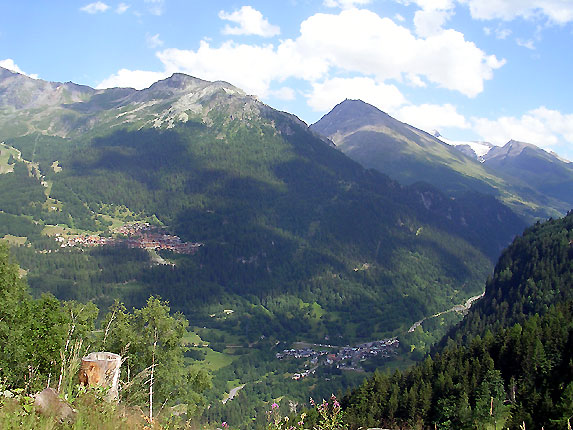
[(489, 70)]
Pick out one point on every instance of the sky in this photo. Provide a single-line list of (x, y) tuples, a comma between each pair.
[(475, 70)]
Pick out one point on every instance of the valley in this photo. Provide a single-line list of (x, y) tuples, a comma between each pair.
[(298, 271)]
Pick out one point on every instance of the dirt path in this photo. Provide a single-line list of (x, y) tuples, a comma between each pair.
[(232, 393), (457, 308)]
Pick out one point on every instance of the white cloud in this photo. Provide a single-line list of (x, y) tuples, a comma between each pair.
[(543, 127), (399, 18), (361, 41), (430, 21), (432, 16), (250, 67), (153, 41), (430, 117), (9, 64), (138, 79), (96, 7), (284, 93), (249, 21), (327, 94), (502, 33), (430, 4), (351, 43), (155, 7), (121, 8), (557, 11), (529, 44), (345, 4)]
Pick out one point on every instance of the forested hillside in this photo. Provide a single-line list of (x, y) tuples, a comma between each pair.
[(290, 241), (533, 274), (512, 362), (288, 223)]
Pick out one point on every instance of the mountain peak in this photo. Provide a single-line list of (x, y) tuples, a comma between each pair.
[(181, 83), (359, 108), (351, 115)]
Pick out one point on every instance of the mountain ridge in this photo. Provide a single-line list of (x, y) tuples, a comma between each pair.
[(255, 185), (408, 155)]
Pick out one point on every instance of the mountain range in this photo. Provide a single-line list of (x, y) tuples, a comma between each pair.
[(286, 219), (295, 239), (531, 181)]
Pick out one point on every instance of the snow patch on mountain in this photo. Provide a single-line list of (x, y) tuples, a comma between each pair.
[(480, 149)]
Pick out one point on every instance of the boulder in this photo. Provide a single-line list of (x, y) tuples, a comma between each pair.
[(47, 402)]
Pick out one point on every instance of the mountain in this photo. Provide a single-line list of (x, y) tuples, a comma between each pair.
[(532, 275), (409, 155), (510, 365), (405, 153), (544, 171), (472, 149), (287, 222)]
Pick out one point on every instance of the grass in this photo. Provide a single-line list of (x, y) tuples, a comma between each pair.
[(5, 152), (15, 240), (192, 338), (214, 360)]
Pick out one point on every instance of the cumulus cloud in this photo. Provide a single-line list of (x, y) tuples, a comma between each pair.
[(96, 7), (361, 41), (431, 116), (249, 22), (542, 126), (325, 95), (9, 64), (351, 43), (430, 21), (249, 67), (345, 4), (557, 11), (138, 79)]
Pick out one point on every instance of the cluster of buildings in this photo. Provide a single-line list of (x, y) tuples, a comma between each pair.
[(347, 357), (303, 374), (135, 235), (84, 240)]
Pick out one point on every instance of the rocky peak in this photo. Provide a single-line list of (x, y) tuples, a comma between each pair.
[(352, 115)]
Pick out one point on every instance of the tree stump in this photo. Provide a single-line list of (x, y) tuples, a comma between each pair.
[(101, 369)]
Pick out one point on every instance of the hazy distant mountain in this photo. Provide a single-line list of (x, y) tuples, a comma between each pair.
[(409, 155), (376, 140), (542, 170)]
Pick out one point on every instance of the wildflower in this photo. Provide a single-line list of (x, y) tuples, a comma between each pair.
[(274, 406), (225, 425)]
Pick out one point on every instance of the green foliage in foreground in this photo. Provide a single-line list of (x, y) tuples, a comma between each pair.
[(42, 341)]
